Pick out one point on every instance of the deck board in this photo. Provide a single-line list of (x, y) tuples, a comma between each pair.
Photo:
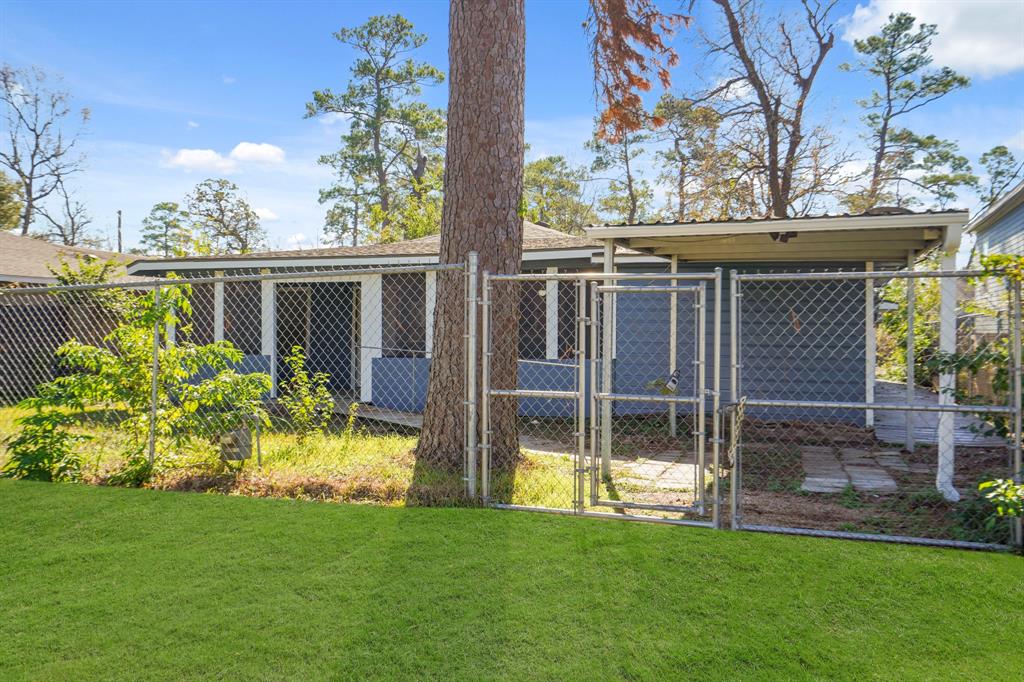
[(890, 425)]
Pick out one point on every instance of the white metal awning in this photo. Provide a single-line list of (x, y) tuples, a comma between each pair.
[(847, 238)]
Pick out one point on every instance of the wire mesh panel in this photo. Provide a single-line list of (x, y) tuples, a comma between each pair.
[(652, 420), (539, 397), (626, 437), (299, 384), (873, 403)]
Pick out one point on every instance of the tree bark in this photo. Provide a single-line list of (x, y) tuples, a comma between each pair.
[(483, 186)]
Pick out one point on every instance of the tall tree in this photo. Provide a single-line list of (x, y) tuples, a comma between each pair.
[(483, 188), (10, 203), (482, 194), (629, 196), (554, 194), (1001, 170), (771, 65), (392, 137), (39, 153), (68, 222), (224, 218), (692, 164), (630, 42), (166, 231), (898, 56), (350, 199)]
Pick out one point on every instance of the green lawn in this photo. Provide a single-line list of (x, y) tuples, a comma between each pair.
[(120, 583)]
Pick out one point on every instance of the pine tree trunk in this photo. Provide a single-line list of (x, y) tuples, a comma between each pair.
[(483, 185)]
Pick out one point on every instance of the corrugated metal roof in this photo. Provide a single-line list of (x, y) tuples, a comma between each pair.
[(878, 211)]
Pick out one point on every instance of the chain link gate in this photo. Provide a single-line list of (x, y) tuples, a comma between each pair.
[(613, 419)]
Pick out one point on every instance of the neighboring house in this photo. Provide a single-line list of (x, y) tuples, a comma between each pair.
[(372, 334), (997, 230), (33, 327), (1000, 228), (26, 260)]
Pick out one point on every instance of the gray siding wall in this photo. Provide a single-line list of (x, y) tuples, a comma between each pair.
[(1006, 236), (822, 359)]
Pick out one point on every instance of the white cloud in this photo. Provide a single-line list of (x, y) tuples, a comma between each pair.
[(213, 161), (199, 160), (977, 37), (229, 80), (1016, 141), (257, 152), (192, 124), (266, 214), (297, 240), (332, 118)]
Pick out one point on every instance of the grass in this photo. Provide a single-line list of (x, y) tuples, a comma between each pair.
[(346, 464), (118, 583)]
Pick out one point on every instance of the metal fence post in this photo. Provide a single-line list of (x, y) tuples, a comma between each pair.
[(485, 394), (581, 388), (701, 427), (154, 378), (908, 441), (716, 396), (471, 363), (594, 426), (735, 522), (1018, 530)]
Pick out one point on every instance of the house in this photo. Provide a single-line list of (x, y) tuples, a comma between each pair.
[(33, 327), (997, 230), (1000, 228), (27, 260), (372, 333)]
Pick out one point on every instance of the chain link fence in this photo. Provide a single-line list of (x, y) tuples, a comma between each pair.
[(874, 404), (854, 404), (612, 395), (293, 384)]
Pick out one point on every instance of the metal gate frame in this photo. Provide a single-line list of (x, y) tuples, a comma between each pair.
[(601, 420), (579, 395)]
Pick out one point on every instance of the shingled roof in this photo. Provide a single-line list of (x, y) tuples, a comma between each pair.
[(535, 238), (25, 259)]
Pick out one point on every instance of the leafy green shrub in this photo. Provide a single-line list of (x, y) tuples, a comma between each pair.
[(44, 449), (1005, 495), (306, 397), (118, 379)]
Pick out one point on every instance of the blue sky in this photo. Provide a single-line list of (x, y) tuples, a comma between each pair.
[(188, 90)]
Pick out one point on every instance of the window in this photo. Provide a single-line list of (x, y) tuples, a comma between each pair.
[(404, 319), (532, 321), (197, 328), (242, 316)]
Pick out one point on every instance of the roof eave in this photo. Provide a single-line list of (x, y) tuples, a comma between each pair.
[(944, 219)]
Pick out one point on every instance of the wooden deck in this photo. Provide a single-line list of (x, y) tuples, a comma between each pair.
[(412, 420), (409, 420), (891, 426)]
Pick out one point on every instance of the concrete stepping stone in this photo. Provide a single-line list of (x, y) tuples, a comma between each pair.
[(870, 479), (822, 471)]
